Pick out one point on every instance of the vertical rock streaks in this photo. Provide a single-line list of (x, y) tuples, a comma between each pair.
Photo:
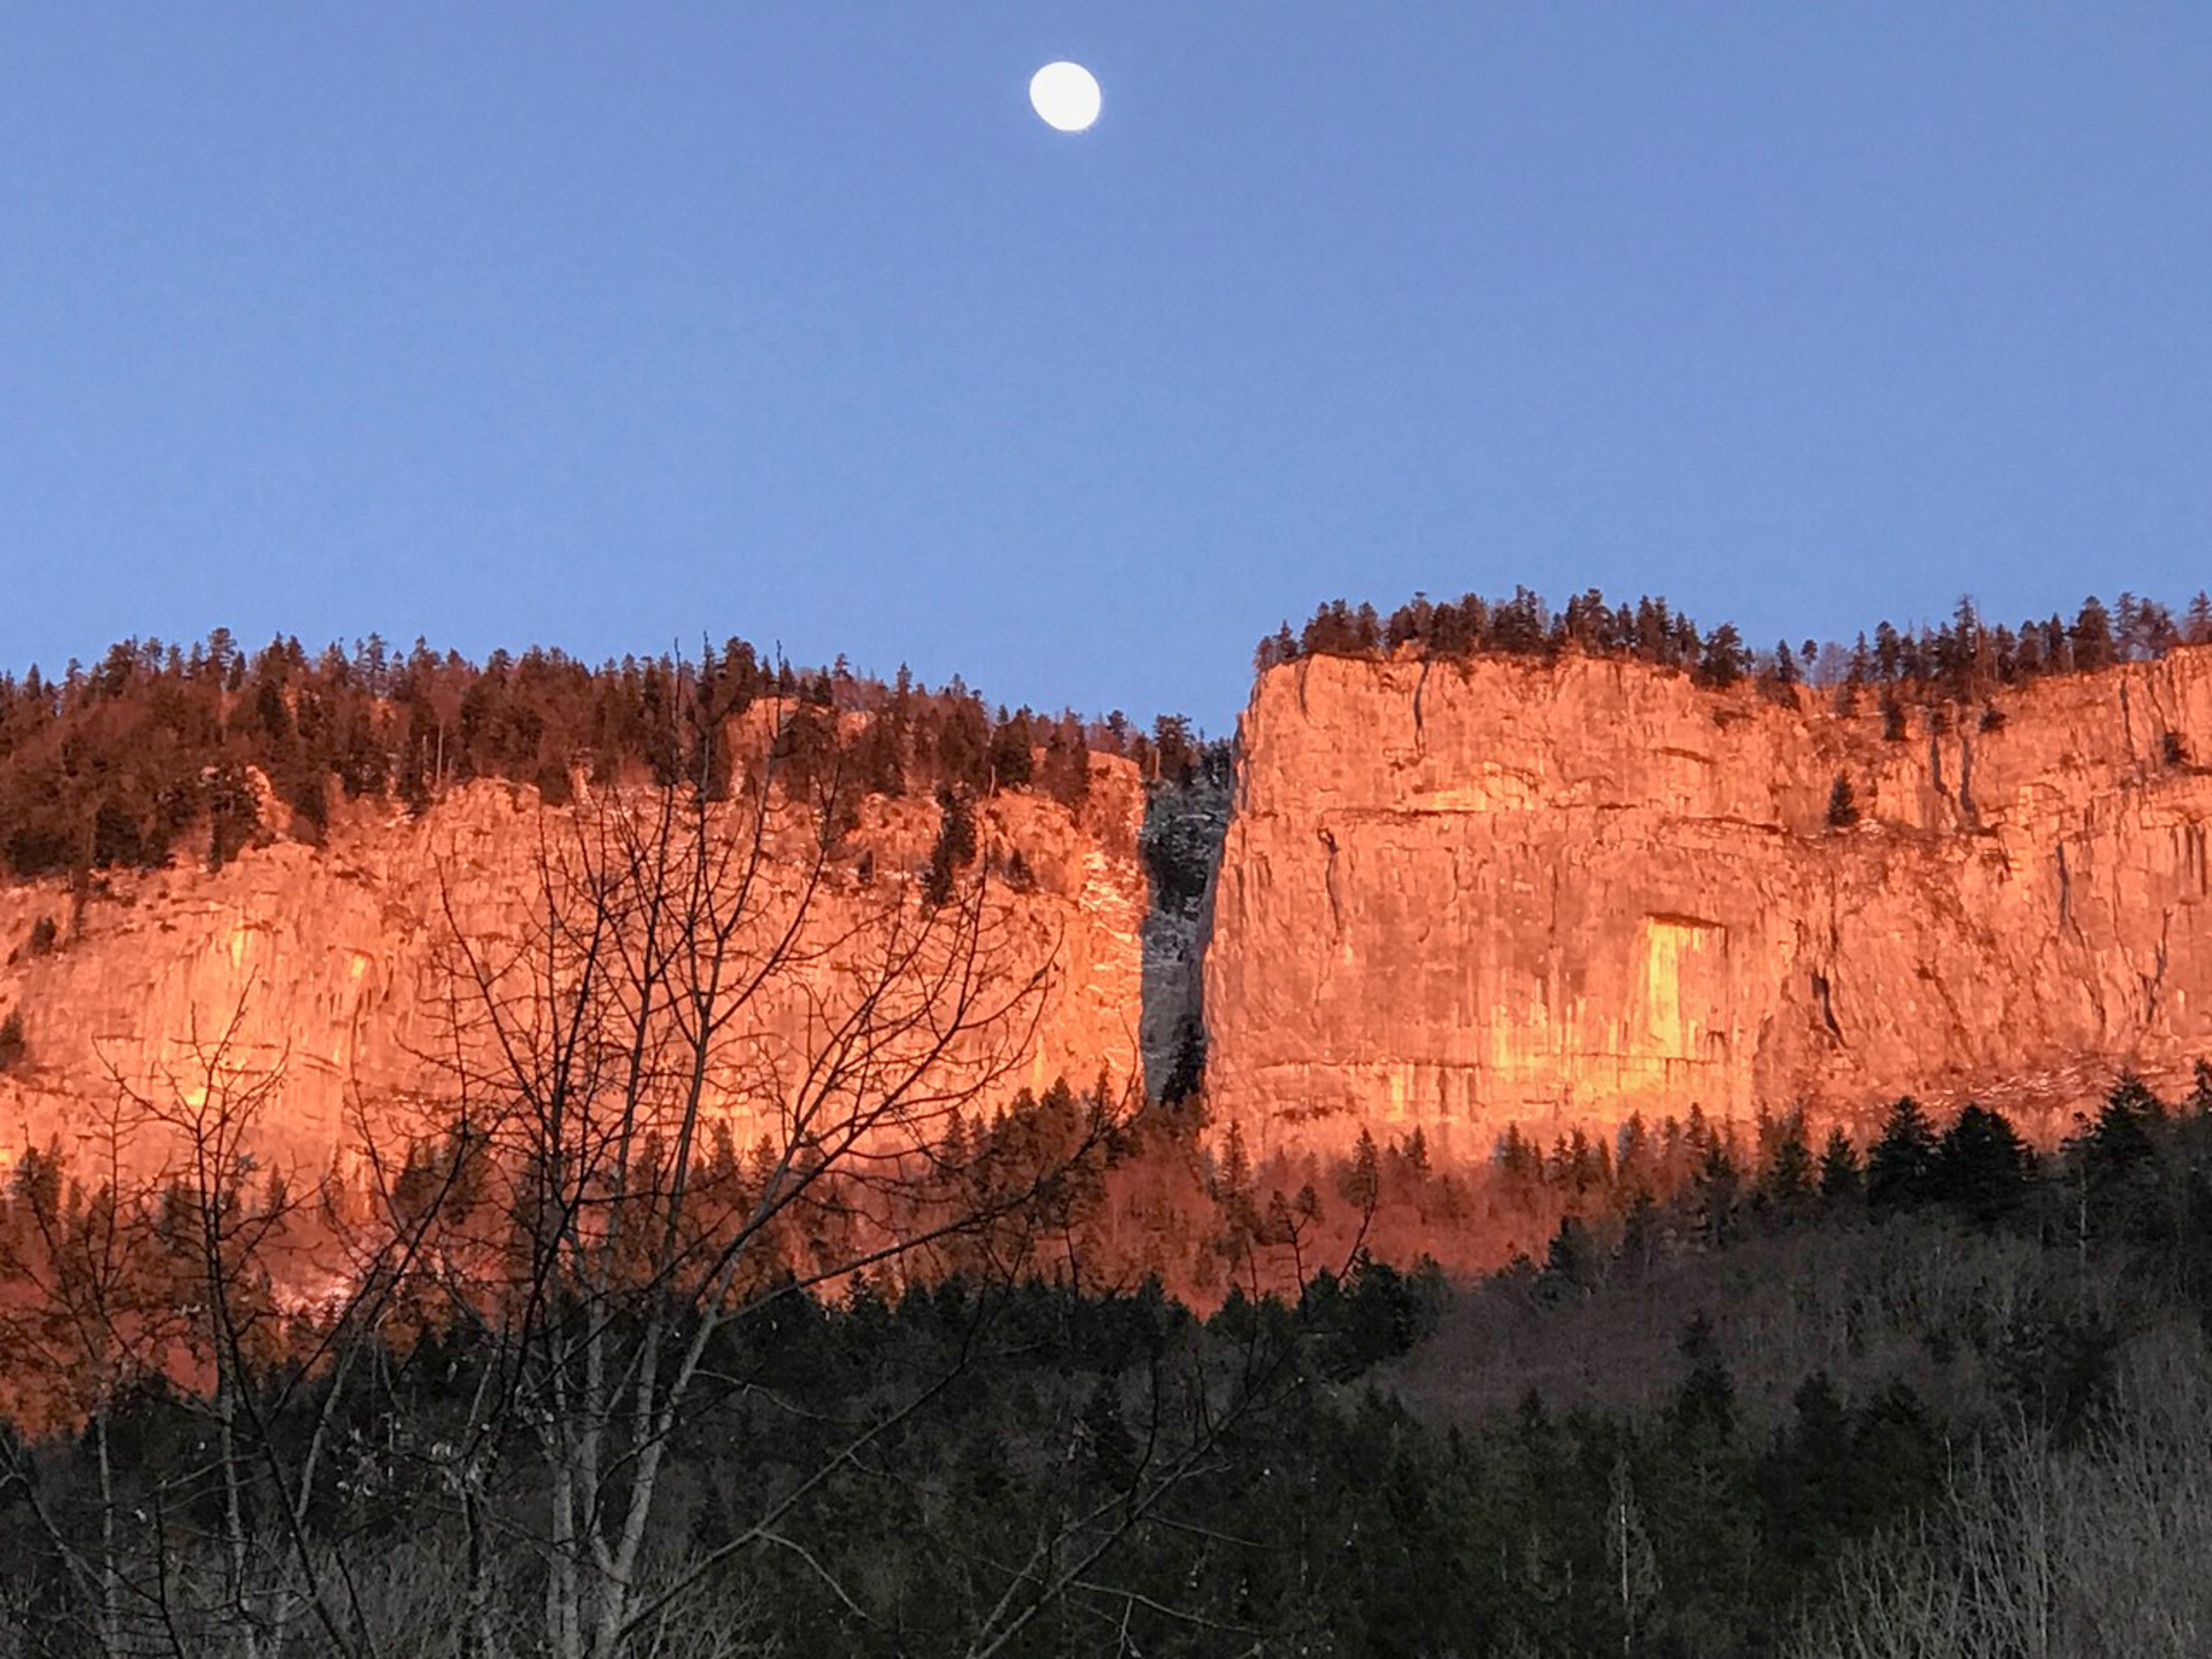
[(1571, 891)]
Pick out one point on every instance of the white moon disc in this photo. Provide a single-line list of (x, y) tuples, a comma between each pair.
[(1065, 96)]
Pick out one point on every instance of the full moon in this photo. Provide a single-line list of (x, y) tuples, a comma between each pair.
[(1065, 96)]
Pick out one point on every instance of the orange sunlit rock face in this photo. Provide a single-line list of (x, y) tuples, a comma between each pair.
[(1459, 895), (1453, 896), (329, 959)]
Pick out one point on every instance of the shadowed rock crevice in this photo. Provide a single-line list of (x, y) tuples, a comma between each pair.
[(1184, 829)]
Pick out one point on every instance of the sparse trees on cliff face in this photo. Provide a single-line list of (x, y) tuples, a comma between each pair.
[(1962, 661), (155, 754), (1843, 805)]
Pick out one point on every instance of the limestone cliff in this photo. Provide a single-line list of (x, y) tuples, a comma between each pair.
[(329, 957), (1460, 894), (1453, 895)]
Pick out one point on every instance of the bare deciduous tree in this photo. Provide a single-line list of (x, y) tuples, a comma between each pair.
[(708, 1074), (2043, 1550), (695, 973)]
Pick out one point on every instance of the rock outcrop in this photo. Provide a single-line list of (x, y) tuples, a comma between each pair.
[(1453, 896), (1457, 894), (327, 964)]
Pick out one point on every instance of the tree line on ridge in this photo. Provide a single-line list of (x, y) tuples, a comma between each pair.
[(149, 750), (1961, 659)]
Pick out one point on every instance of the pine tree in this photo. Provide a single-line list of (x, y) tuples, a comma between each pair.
[(1066, 772), (1176, 751), (1724, 659), (1718, 1183), (1806, 1479), (877, 766), (1012, 755), (1789, 1183), (2196, 620), (1839, 1169), (2199, 1098), (1639, 1234), (963, 744), (1235, 1167), (1417, 1151), (2091, 636), (1705, 1405), (2116, 1155), (1842, 806), (1110, 1449), (1982, 1166), (1633, 1151), (955, 848), (1361, 1182), (1569, 1263), (1900, 1167)]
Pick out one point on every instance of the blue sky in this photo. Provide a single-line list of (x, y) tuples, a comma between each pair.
[(608, 327)]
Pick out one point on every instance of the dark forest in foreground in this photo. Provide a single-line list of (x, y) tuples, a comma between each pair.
[(1912, 1402), (562, 1370)]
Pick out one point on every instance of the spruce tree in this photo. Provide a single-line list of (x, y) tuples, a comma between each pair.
[(2116, 1157), (1839, 1169), (1787, 1186), (2091, 636), (1723, 660), (955, 849), (1705, 1405), (1013, 760), (2197, 620), (2120, 1141), (1900, 1168), (1066, 772), (1842, 806), (1982, 1166), (1360, 1183), (1569, 1264), (1717, 1185), (2199, 1098)]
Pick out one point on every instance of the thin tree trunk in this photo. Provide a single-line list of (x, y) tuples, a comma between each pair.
[(110, 1614), (233, 1503)]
